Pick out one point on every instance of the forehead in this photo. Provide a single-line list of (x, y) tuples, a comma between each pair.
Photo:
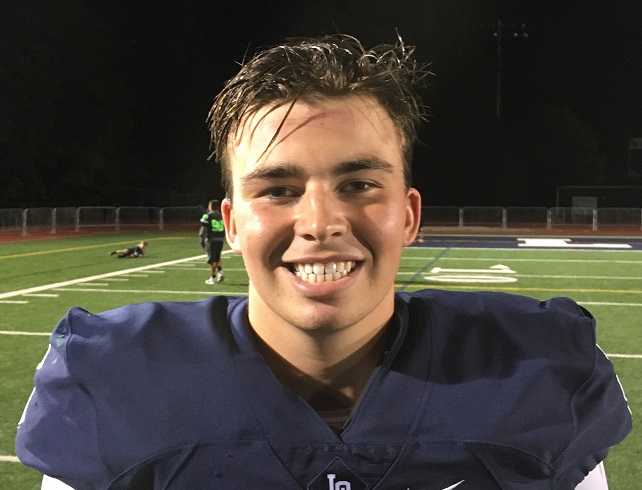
[(329, 128)]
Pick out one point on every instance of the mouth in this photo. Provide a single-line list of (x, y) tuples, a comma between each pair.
[(318, 272)]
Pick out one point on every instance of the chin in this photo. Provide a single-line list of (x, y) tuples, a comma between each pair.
[(320, 321)]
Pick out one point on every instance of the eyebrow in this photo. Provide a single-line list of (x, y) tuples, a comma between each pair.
[(285, 170)]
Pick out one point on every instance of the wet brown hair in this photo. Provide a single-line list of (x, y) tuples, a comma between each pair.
[(315, 68)]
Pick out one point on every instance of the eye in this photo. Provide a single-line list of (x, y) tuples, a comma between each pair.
[(358, 186), (279, 192)]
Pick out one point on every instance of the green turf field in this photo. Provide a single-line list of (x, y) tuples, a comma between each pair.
[(40, 279)]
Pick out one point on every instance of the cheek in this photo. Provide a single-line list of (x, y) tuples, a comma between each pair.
[(264, 234), (381, 229)]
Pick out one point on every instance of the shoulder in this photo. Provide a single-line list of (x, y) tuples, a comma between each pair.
[(501, 335), (476, 302), (119, 376), (524, 315), (124, 327), (137, 343)]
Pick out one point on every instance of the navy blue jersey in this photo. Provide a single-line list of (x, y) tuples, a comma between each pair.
[(481, 391)]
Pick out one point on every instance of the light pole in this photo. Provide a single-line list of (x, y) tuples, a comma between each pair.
[(516, 31)]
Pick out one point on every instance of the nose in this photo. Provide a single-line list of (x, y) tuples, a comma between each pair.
[(320, 216)]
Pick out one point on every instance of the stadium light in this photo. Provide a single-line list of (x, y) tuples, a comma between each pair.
[(518, 31)]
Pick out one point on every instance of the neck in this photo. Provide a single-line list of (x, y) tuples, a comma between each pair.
[(327, 367)]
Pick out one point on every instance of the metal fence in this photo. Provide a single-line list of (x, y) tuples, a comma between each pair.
[(515, 218), (54, 220)]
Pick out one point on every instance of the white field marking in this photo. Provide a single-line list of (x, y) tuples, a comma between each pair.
[(135, 275), (547, 276), (155, 272), (625, 356), (543, 250), (566, 243), (522, 289), (4, 458), (42, 295), (512, 259), (495, 269), (607, 303), (182, 267), (55, 285), (226, 269), (14, 301), (117, 279), (562, 276), (16, 332), (96, 283), (154, 291), (478, 278)]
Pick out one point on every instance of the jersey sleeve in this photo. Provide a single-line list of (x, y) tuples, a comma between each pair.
[(57, 434), (601, 416)]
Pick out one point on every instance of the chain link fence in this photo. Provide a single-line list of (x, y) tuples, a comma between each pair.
[(54, 220)]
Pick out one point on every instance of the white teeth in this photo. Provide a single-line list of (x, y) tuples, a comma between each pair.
[(318, 272)]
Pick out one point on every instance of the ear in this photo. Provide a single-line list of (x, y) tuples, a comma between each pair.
[(231, 234), (413, 216)]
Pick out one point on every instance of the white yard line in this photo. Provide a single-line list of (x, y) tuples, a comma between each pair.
[(625, 356), (13, 302), (226, 269), (17, 332), (606, 303), (539, 276), (41, 295), (117, 279), (532, 249), (155, 272), (515, 259), (520, 289), (55, 285), (95, 283), (562, 276), (136, 275), (4, 458), (213, 292)]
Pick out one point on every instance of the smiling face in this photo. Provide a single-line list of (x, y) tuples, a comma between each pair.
[(321, 215)]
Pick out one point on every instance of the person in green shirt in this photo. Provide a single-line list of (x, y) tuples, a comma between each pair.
[(212, 234)]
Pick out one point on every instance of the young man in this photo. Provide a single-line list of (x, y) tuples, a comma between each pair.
[(136, 251), (324, 377), (212, 234)]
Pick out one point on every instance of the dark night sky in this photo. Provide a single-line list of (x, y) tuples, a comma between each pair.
[(105, 102)]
